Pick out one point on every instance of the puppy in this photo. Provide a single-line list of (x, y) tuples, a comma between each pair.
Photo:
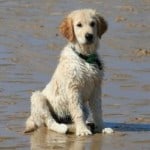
[(75, 87)]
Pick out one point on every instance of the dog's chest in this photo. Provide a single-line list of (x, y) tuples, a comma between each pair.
[(90, 75), (90, 80)]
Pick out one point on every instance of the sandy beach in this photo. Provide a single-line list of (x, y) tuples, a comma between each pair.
[(30, 45)]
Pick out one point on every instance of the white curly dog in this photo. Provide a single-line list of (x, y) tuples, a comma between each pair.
[(75, 88)]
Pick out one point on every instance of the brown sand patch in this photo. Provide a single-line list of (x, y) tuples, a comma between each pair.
[(142, 52), (137, 25), (146, 87), (117, 76), (120, 19), (128, 8), (140, 120)]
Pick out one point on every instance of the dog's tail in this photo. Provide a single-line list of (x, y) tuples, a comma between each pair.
[(30, 125)]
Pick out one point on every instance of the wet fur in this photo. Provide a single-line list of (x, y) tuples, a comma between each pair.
[(75, 87)]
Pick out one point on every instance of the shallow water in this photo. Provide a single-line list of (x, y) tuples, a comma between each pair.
[(29, 48)]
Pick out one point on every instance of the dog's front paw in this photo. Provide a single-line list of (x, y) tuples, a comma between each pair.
[(83, 131), (107, 131), (60, 128)]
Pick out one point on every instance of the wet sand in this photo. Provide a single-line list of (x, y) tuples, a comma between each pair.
[(29, 48)]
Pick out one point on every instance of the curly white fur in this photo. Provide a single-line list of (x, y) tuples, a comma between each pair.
[(75, 84)]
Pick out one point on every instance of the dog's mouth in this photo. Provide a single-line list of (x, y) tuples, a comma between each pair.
[(89, 42)]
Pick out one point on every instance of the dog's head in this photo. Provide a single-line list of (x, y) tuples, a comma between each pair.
[(83, 26)]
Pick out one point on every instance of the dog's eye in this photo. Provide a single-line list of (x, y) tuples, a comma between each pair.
[(92, 24), (79, 25)]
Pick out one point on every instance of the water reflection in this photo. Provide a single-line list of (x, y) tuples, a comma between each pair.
[(47, 140)]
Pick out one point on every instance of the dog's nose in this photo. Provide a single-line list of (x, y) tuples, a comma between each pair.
[(89, 37)]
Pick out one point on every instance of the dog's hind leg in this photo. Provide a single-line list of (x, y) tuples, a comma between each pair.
[(40, 115)]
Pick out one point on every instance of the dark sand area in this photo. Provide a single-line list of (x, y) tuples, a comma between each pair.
[(29, 49)]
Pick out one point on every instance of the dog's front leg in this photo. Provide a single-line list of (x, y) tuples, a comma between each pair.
[(76, 110), (96, 108)]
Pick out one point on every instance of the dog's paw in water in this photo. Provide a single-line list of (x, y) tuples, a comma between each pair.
[(107, 131), (83, 131)]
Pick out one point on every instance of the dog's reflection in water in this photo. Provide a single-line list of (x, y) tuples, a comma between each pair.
[(44, 139)]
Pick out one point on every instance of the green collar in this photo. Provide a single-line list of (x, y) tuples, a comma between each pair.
[(91, 59)]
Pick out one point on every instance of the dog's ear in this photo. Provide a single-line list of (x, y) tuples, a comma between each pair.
[(101, 25), (66, 29)]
